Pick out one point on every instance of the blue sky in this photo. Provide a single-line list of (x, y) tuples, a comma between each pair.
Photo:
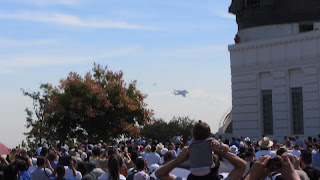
[(179, 44)]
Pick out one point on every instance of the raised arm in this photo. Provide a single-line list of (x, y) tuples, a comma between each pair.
[(163, 172), (237, 162)]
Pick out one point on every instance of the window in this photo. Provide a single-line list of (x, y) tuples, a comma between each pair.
[(297, 110), (306, 27), (252, 3), (267, 114)]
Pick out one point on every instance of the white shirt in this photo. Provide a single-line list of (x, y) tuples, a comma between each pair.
[(38, 150), (32, 168), (265, 152), (69, 173), (295, 152), (105, 176), (153, 158)]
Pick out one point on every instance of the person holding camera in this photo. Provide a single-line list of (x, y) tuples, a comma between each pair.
[(266, 164), (42, 172)]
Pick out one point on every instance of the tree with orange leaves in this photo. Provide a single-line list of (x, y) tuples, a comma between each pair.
[(99, 105)]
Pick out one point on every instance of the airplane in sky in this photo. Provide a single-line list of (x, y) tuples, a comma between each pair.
[(180, 92)]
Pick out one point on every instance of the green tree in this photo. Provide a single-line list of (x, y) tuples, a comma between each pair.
[(35, 118), (161, 130)]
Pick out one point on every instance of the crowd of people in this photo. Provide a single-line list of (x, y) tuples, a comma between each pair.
[(200, 157)]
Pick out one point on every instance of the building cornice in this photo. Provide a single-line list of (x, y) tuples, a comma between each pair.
[(275, 41)]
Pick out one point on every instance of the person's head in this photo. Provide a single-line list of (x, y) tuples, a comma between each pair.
[(23, 152), (60, 171), (249, 156), (96, 151), (140, 164), (82, 168), (134, 156), (168, 155), (288, 143), (314, 140), (316, 147), (275, 141), (309, 138), (170, 146), (40, 161), (306, 157), (201, 131), (44, 151), (281, 151), (296, 147), (265, 144), (13, 151), (52, 156), (153, 148), (90, 166), (21, 165), (114, 165)]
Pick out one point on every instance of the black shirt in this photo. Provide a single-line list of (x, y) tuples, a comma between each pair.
[(312, 172)]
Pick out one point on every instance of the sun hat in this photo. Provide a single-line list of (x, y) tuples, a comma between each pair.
[(265, 142), (234, 149)]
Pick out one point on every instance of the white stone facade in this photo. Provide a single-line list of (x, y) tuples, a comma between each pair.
[(277, 64)]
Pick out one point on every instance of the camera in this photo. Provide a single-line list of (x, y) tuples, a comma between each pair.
[(274, 164)]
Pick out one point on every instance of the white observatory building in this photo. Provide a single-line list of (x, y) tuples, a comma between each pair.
[(275, 69)]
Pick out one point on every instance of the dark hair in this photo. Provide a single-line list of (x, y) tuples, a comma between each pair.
[(96, 151), (82, 168), (153, 148), (249, 154), (114, 164), (201, 131), (168, 155), (134, 156), (44, 151), (21, 165), (314, 140), (60, 171), (140, 163), (41, 161), (10, 172), (281, 151), (306, 157)]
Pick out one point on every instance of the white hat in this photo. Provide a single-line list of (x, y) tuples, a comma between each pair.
[(154, 167), (83, 156), (164, 151), (247, 139), (234, 149)]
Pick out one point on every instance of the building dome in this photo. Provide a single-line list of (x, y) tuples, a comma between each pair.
[(225, 124)]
